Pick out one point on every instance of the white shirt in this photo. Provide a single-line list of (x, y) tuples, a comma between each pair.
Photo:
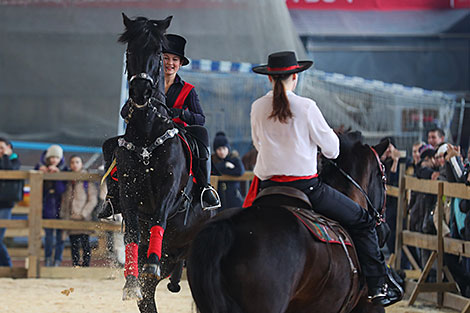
[(290, 148)]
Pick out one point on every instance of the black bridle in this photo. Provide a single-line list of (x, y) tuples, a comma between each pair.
[(145, 152), (373, 211)]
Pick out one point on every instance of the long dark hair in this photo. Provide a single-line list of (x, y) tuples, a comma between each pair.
[(281, 105)]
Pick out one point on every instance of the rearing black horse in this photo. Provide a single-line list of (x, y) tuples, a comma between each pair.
[(153, 170)]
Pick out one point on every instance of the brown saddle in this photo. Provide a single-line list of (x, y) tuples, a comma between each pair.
[(284, 196), (297, 202)]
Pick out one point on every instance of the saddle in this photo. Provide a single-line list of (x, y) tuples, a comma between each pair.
[(192, 148), (297, 202)]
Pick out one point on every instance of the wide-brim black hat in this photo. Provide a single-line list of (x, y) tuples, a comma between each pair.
[(282, 63), (175, 45)]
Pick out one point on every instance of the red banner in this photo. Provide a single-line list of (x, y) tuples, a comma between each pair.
[(385, 5)]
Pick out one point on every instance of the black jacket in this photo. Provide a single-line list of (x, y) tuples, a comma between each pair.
[(10, 162), (229, 191)]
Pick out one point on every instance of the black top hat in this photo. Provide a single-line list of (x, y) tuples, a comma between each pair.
[(282, 63), (175, 45)]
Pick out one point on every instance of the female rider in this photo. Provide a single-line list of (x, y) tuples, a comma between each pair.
[(286, 130), (183, 101)]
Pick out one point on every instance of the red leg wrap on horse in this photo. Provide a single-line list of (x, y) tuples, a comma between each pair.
[(132, 266), (156, 238)]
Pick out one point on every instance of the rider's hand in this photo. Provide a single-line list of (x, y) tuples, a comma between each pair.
[(175, 112)]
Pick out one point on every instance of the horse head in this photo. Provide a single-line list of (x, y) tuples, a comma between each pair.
[(144, 63), (362, 163)]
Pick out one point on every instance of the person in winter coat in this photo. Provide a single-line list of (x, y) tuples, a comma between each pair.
[(8, 161), (52, 161), (78, 202), (227, 162)]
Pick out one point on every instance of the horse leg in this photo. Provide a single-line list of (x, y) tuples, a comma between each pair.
[(148, 282), (131, 289), (154, 252), (175, 278)]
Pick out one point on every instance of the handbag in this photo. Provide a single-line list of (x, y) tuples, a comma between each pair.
[(11, 190)]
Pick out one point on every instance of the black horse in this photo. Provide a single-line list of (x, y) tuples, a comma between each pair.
[(153, 170), (263, 259)]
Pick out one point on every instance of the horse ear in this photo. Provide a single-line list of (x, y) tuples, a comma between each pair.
[(382, 146), (163, 25), (127, 21)]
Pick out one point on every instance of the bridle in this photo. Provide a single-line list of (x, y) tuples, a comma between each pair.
[(145, 152), (151, 101), (374, 212)]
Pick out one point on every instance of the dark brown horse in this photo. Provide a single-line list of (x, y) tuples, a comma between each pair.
[(263, 259)]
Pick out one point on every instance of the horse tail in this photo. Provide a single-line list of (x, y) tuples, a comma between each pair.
[(205, 276)]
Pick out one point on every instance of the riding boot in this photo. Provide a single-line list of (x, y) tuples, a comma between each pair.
[(210, 199), (384, 291), (111, 204)]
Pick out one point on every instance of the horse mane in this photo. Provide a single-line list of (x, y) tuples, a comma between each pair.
[(351, 152), (145, 30)]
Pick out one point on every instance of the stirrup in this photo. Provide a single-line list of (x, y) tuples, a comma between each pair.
[(105, 204), (211, 189)]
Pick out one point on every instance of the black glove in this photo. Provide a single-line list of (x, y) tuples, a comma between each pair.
[(174, 112), (185, 116)]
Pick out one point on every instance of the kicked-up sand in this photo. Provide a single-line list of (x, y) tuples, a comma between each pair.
[(104, 296)]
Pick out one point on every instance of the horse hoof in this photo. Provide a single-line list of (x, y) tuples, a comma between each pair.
[(173, 287), (152, 270), (131, 290)]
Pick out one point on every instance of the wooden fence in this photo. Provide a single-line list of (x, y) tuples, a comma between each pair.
[(438, 244), (443, 293), (35, 223)]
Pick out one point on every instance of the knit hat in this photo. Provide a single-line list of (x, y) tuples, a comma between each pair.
[(54, 151), (426, 151), (221, 140)]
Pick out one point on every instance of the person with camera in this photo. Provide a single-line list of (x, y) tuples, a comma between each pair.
[(8, 193)]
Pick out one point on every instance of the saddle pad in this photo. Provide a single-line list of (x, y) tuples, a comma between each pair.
[(323, 229)]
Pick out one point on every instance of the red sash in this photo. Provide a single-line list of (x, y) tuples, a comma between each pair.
[(254, 187), (187, 87)]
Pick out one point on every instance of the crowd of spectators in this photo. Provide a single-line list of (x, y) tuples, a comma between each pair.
[(71, 200), (435, 159)]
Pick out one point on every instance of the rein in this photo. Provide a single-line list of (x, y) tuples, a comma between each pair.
[(374, 212)]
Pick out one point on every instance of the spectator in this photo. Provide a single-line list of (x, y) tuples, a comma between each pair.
[(52, 161), (411, 170), (78, 202), (422, 203), (227, 163), (391, 160), (436, 136), (8, 161), (452, 170)]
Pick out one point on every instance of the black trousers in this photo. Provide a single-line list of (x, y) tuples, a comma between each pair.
[(356, 220), (78, 242)]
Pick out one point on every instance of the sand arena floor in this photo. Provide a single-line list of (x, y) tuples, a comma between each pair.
[(104, 296)]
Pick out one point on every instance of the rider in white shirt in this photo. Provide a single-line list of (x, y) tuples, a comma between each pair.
[(286, 131)]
